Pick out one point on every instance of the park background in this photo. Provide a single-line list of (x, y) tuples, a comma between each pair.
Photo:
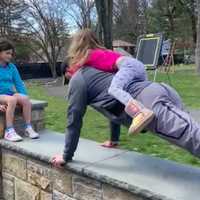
[(41, 31)]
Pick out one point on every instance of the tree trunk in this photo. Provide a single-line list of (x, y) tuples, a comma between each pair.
[(194, 28), (105, 14), (52, 65), (53, 69), (192, 14), (198, 39)]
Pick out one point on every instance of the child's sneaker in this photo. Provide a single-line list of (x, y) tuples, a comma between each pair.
[(140, 121), (141, 116), (133, 108), (11, 135), (29, 132)]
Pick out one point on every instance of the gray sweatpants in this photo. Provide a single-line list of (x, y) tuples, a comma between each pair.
[(129, 70), (171, 122)]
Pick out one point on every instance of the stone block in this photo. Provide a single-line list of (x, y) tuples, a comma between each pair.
[(86, 188), (60, 196), (62, 181), (14, 164), (39, 125), (39, 174), (2, 125), (8, 189), (37, 115), (114, 193), (26, 191), (45, 196)]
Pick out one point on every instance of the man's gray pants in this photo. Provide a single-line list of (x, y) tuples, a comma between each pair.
[(171, 122)]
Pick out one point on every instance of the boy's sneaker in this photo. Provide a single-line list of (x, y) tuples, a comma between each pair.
[(11, 135), (29, 132), (140, 121)]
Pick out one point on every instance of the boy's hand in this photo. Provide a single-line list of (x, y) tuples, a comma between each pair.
[(3, 108), (58, 161)]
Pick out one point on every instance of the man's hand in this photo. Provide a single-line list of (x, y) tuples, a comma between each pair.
[(58, 161), (3, 108)]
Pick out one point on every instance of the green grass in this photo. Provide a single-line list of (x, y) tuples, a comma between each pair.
[(186, 82)]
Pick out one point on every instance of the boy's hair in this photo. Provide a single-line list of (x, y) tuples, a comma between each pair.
[(6, 45), (83, 41)]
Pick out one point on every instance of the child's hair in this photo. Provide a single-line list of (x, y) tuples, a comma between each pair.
[(6, 45), (81, 43)]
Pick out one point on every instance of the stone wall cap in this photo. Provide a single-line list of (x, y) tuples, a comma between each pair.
[(143, 175), (38, 103)]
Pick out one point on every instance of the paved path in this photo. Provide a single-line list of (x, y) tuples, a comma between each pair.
[(58, 91)]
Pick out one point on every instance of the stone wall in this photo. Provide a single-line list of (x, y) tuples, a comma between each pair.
[(24, 178)]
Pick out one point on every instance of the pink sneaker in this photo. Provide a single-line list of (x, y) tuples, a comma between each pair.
[(12, 136)]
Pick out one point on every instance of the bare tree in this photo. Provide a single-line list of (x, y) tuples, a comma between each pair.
[(11, 12), (198, 39), (105, 21), (82, 12), (190, 7), (47, 29), (129, 19)]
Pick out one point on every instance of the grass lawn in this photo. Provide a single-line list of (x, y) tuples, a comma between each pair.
[(186, 82)]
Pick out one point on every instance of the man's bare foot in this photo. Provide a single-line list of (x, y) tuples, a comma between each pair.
[(110, 144)]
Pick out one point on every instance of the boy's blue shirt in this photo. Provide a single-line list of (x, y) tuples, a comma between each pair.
[(10, 81)]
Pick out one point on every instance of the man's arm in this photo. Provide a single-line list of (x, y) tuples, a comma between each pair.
[(77, 99)]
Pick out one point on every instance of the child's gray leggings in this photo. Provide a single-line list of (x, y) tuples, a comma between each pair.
[(129, 70)]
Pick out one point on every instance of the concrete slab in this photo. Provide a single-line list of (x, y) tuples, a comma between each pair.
[(153, 177), (51, 143)]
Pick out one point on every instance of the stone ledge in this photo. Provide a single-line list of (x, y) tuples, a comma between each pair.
[(138, 174), (36, 104)]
